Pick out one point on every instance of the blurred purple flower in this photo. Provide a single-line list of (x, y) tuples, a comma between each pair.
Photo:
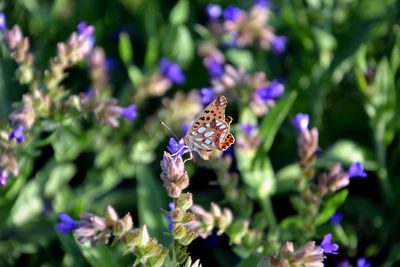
[(327, 246), (336, 218), (356, 170), (18, 134), (67, 224), (86, 36), (111, 63), (186, 127), (3, 177), (213, 11), (301, 121), (344, 263), (232, 13), (3, 22), (279, 44), (129, 113), (262, 3), (248, 128), (215, 68), (362, 262), (172, 71), (207, 95), (272, 91), (178, 147), (169, 218)]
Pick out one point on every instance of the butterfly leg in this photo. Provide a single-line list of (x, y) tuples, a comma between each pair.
[(180, 150)]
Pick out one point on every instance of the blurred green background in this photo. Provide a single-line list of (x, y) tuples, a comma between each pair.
[(342, 58)]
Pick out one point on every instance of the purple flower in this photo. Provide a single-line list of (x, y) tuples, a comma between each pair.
[(3, 177), (207, 95), (213, 11), (86, 35), (215, 68), (261, 3), (3, 22), (129, 112), (274, 90), (186, 127), (301, 121), (279, 44), (336, 218), (344, 263), (18, 134), (179, 147), (248, 128), (67, 224), (356, 170), (172, 71), (169, 218), (362, 262), (327, 246), (232, 13)]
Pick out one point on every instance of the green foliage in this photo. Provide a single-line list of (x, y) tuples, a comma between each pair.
[(341, 66)]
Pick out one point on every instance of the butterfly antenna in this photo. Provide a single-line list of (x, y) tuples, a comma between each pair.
[(169, 129)]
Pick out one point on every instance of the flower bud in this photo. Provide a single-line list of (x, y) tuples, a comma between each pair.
[(111, 215), (178, 231), (185, 201), (188, 217), (176, 215), (188, 238), (143, 236), (238, 230)]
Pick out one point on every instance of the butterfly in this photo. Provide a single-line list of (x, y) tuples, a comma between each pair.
[(210, 130)]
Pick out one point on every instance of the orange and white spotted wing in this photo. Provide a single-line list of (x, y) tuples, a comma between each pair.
[(210, 130)]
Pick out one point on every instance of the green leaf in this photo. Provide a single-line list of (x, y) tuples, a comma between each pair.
[(286, 178), (179, 13), (125, 48), (250, 261), (135, 75), (59, 176), (184, 48), (347, 152), (99, 256), (150, 202), (260, 177), (273, 120), (241, 58), (332, 205), (28, 205)]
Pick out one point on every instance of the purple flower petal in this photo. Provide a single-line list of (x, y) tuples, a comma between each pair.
[(177, 147), (274, 90), (248, 128), (3, 177), (3, 22), (356, 170), (213, 11), (215, 68), (207, 95), (129, 112), (327, 246), (172, 71), (262, 3), (279, 44), (18, 134), (336, 218), (67, 224), (301, 121), (232, 13), (362, 262)]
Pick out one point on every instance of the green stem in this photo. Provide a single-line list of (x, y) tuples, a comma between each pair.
[(266, 206), (380, 149)]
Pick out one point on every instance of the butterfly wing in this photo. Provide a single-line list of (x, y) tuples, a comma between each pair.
[(209, 129)]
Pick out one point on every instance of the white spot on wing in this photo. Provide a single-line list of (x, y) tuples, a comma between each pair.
[(209, 134), (201, 129)]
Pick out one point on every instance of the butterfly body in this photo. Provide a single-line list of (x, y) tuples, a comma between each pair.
[(210, 130)]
